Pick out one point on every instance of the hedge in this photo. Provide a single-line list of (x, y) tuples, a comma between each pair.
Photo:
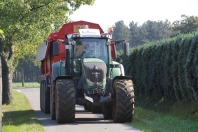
[(165, 69)]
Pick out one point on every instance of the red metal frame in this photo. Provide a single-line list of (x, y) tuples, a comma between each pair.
[(113, 51)]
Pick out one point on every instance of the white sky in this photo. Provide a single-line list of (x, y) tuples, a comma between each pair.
[(107, 12)]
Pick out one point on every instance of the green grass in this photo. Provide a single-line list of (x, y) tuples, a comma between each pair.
[(19, 117), (27, 85), (164, 116)]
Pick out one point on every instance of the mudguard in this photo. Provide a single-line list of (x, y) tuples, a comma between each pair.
[(58, 71), (117, 70)]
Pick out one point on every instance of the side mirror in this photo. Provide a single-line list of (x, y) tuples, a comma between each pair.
[(126, 49), (55, 49)]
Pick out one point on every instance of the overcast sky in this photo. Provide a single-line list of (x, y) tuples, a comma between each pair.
[(107, 12)]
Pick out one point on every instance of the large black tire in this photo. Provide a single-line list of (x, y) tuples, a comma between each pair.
[(41, 95), (65, 101), (52, 101), (107, 112), (123, 109), (46, 98)]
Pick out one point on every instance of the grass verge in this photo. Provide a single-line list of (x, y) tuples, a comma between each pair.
[(164, 116), (26, 85), (19, 117)]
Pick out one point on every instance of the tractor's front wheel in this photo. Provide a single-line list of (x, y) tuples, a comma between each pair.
[(65, 101), (123, 108), (52, 101)]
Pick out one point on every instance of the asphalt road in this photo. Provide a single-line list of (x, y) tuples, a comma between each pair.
[(84, 122)]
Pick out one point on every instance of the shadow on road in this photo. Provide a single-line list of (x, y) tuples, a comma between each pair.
[(92, 121), (82, 112), (46, 120)]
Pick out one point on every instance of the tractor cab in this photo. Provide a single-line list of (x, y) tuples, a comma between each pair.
[(91, 45), (91, 55)]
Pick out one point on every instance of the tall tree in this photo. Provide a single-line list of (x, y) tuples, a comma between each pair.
[(155, 30), (150, 31), (135, 34), (28, 22), (186, 25), (121, 32)]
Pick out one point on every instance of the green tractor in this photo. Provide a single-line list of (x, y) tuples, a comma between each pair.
[(81, 69), (90, 78)]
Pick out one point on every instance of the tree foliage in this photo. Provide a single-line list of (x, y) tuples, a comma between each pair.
[(1, 34), (186, 25), (148, 31), (156, 30), (27, 23), (135, 34)]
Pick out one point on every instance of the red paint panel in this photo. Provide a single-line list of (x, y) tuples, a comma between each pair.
[(72, 27), (113, 51), (62, 53)]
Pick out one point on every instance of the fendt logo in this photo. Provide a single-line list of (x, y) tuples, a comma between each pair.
[(96, 73)]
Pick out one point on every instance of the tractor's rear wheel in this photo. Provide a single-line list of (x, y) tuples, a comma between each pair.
[(41, 95), (52, 101), (46, 98), (65, 101), (123, 109)]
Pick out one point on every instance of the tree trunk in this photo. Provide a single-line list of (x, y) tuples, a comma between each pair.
[(7, 82), (22, 73), (22, 76), (0, 96), (6, 64)]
